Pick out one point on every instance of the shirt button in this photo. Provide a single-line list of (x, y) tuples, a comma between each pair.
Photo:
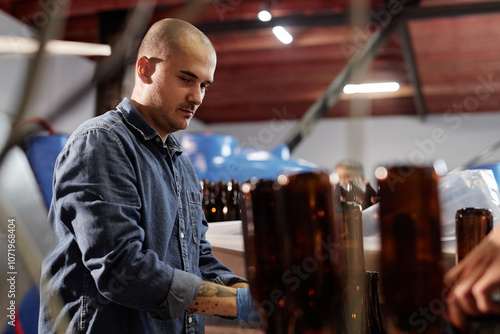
[(164, 156), (190, 319), (157, 139), (182, 235)]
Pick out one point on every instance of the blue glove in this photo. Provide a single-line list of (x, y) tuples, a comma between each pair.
[(246, 307)]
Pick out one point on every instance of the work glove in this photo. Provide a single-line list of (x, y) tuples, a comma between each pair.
[(246, 307)]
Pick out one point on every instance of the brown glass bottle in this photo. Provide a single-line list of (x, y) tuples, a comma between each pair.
[(220, 200), (210, 204), (412, 279), (472, 225), (352, 242), (313, 255), (293, 254), (231, 210), (262, 235), (374, 317)]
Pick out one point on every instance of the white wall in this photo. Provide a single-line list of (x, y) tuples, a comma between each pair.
[(60, 76)]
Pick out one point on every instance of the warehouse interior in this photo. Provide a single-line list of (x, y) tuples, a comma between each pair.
[(267, 94)]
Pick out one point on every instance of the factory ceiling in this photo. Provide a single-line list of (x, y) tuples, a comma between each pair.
[(445, 54)]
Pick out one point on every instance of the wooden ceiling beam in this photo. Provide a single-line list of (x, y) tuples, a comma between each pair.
[(275, 112)]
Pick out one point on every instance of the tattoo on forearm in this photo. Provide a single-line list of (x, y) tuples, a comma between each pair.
[(208, 300), (214, 290)]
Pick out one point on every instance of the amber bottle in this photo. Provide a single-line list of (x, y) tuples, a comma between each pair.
[(351, 239), (313, 255), (374, 318), (472, 225), (231, 209), (264, 256), (293, 254), (412, 279)]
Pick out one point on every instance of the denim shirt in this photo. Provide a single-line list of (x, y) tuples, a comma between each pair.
[(131, 250)]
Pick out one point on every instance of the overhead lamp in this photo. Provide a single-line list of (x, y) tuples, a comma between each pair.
[(264, 16), (379, 87), (282, 34), (22, 45)]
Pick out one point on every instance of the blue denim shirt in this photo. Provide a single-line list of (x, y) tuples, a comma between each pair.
[(131, 250)]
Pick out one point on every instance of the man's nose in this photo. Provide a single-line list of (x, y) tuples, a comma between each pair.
[(196, 95)]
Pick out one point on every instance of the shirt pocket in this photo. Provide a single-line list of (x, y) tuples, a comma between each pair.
[(196, 213)]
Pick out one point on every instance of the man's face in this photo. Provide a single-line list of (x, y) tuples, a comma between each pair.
[(178, 87), (347, 175)]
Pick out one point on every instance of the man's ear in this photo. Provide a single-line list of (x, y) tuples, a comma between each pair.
[(143, 69)]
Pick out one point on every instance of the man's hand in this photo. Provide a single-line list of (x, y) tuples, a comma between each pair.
[(246, 307), (473, 281), (215, 299)]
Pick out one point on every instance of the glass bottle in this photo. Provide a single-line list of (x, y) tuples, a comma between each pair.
[(374, 316), (220, 201), (264, 254), (352, 242), (313, 254), (210, 205), (293, 256), (231, 208), (472, 225), (412, 280)]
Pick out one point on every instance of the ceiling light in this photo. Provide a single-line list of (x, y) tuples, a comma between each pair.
[(379, 87), (264, 16), (22, 45), (283, 35)]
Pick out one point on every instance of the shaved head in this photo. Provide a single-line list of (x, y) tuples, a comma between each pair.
[(166, 37), (175, 65)]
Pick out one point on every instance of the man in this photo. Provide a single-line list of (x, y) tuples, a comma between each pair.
[(131, 255), (349, 170)]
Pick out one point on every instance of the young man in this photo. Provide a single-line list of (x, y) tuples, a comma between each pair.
[(349, 170), (131, 255)]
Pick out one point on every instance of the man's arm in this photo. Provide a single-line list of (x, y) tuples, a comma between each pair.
[(215, 299), (472, 282)]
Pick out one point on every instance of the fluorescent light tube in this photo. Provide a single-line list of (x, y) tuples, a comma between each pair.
[(22, 45), (379, 87), (283, 35)]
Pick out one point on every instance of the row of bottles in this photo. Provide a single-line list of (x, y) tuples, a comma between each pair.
[(221, 200), (304, 257), (301, 244)]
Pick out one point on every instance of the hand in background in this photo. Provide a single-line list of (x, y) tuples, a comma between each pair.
[(473, 281)]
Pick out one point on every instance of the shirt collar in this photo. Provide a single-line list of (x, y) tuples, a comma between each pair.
[(134, 118)]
